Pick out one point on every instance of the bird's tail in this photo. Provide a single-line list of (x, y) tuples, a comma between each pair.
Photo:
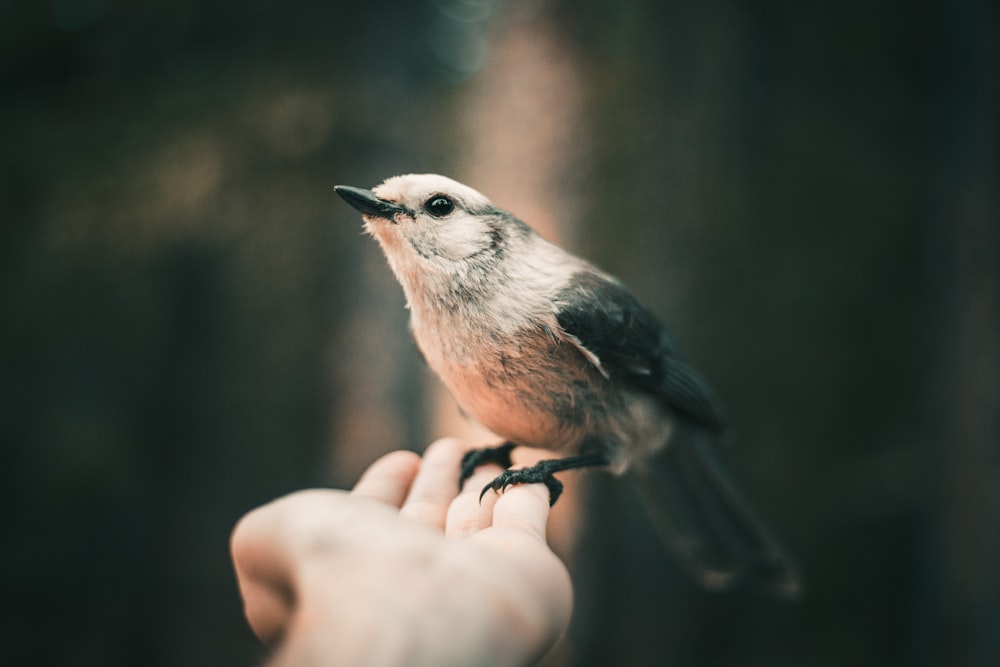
[(706, 523)]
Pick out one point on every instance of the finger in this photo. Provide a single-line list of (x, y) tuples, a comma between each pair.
[(389, 478), (525, 507), (436, 483), (262, 554), (467, 515), (261, 577)]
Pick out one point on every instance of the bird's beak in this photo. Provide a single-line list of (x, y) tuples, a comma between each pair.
[(366, 202)]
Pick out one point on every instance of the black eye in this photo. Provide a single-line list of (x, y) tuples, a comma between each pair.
[(439, 206)]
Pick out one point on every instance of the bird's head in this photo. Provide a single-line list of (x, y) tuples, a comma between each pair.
[(430, 225), (442, 239)]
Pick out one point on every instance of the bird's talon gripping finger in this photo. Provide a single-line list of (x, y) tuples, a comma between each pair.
[(525, 476), (505, 479), (492, 485)]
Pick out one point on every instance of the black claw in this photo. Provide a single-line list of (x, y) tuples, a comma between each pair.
[(492, 485), (477, 457)]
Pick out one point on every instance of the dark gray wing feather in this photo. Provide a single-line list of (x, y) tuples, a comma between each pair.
[(632, 346)]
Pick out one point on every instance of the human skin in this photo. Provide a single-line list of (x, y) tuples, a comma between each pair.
[(404, 569)]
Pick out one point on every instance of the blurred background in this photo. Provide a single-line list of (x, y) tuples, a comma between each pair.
[(193, 324)]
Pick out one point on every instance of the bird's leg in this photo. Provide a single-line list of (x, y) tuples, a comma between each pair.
[(543, 472), (478, 457)]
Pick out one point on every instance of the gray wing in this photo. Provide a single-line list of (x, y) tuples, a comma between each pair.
[(629, 344), (698, 512)]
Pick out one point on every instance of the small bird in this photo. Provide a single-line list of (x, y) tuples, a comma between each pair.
[(548, 351)]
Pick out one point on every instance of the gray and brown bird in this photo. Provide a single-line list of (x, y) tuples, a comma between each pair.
[(548, 351)]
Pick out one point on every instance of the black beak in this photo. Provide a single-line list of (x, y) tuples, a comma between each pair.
[(366, 202)]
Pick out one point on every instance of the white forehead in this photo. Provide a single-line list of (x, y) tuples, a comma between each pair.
[(414, 189)]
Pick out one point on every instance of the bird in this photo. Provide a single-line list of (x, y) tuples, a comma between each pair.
[(546, 350)]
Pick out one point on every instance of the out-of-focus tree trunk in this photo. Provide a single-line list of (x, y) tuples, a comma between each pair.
[(522, 132)]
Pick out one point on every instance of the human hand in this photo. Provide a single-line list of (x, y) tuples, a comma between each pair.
[(404, 569)]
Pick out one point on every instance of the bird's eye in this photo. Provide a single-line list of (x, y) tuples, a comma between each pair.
[(439, 206)]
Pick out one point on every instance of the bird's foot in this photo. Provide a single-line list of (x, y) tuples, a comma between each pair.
[(478, 457), (541, 472)]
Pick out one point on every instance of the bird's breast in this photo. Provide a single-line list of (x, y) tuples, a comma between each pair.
[(525, 385)]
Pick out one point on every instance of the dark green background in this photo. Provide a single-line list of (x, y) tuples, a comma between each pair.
[(806, 191)]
